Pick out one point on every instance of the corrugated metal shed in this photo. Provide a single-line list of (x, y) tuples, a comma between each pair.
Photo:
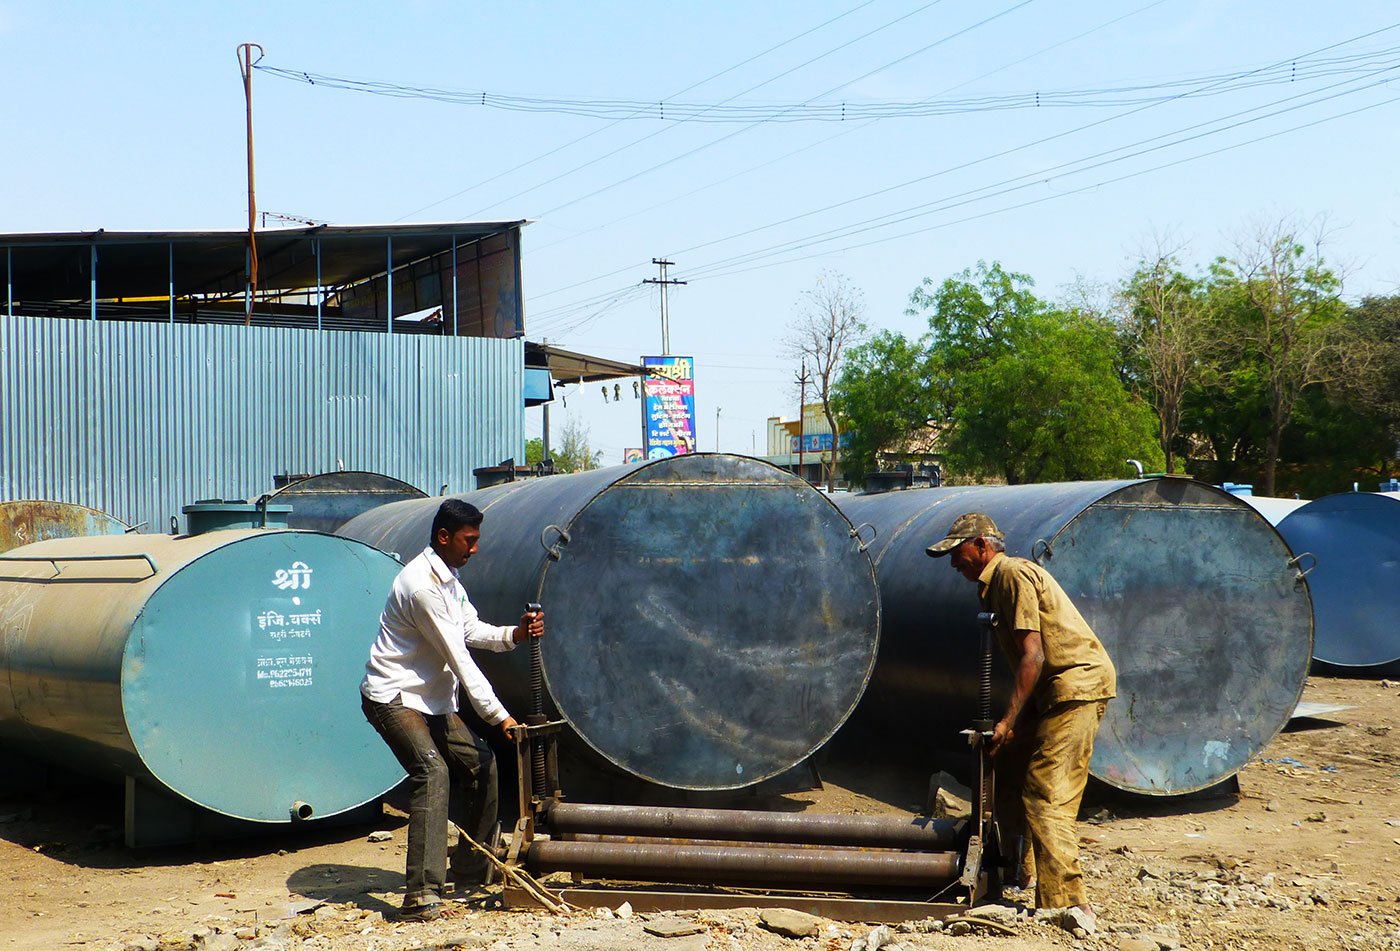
[(137, 419)]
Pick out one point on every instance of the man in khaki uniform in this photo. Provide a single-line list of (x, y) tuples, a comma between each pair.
[(1042, 748)]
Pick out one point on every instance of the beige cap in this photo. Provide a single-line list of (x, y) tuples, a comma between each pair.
[(971, 525)]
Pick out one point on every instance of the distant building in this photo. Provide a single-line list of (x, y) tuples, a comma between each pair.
[(803, 446), (141, 371)]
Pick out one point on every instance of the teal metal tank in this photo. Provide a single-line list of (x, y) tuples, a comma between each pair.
[(220, 670)]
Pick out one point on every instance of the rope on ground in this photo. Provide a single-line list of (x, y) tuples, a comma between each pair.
[(551, 902)]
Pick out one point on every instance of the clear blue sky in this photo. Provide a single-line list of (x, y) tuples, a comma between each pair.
[(128, 116)]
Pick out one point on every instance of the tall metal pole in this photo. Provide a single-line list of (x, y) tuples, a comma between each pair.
[(665, 282), (717, 409), (802, 420), (245, 65)]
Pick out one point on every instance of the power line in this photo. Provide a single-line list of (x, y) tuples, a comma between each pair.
[(570, 144), (727, 111), (736, 264), (1045, 175), (995, 155), (753, 168), (785, 247), (668, 128), (1080, 190), (752, 126)]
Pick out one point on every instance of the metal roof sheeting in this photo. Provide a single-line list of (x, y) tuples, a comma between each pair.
[(139, 419)]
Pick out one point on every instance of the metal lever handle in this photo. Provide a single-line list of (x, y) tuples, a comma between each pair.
[(856, 533), (1294, 563), (562, 538)]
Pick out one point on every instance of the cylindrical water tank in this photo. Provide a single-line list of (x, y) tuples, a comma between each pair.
[(327, 501), (1354, 538), (711, 621), (221, 667), (1273, 509), (1189, 589), (25, 521)]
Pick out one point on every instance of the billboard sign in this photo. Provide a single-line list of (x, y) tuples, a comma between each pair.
[(668, 406), (816, 442)]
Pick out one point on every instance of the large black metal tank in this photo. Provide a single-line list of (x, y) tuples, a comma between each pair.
[(323, 503), (1189, 588), (711, 619), (1354, 538)]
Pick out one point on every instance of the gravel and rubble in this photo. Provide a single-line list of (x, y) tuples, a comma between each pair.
[(1304, 856)]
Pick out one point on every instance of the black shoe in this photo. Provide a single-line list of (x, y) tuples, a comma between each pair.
[(421, 911)]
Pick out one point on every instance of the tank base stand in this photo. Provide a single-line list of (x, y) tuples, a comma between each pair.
[(155, 817)]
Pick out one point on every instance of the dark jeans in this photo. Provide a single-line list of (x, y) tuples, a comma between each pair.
[(451, 775)]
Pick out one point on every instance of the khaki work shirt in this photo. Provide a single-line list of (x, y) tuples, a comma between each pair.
[(1025, 598)]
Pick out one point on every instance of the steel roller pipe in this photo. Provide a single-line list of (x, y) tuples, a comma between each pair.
[(719, 865), (752, 825), (711, 620), (729, 843), (1195, 596)]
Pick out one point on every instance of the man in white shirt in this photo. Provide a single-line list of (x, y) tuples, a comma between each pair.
[(409, 694)]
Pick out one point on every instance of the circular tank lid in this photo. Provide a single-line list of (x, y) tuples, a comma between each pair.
[(240, 677), (25, 521), (1193, 596), (1354, 541), (713, 622)]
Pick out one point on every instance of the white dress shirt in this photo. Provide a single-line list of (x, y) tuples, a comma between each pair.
[(421, 651)]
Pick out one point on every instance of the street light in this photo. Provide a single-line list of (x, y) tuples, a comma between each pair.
[(717, 409)]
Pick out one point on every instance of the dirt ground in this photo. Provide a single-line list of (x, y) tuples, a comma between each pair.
[(1305, 855)]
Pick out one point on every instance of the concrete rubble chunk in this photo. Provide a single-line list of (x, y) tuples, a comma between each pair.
[(789, 923), (948, 798), (878, 938), (1078, 918), (381, 836), (623, 910), (672, 928), (1136, 943), (1000, 914)]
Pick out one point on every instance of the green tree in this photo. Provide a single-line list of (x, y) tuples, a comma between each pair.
[(1165, 328), (883, 392), (1280, 307), (1051, 408), (1029, 392), (534, 451), (828, 322), (574, 454)]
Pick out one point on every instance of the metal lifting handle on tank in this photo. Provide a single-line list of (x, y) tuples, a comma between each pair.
[(1294, 563), (55, 559), (861, 543), (563, 539), (1040, 550)]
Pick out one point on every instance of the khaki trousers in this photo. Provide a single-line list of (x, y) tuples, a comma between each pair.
[(1040, 780)]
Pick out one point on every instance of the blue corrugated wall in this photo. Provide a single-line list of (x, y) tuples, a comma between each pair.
[(138, 419)]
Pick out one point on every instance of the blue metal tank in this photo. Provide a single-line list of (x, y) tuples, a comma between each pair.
[(711, 621), (25, 521), (1193, 594), (1355, 540), (218, 670)]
